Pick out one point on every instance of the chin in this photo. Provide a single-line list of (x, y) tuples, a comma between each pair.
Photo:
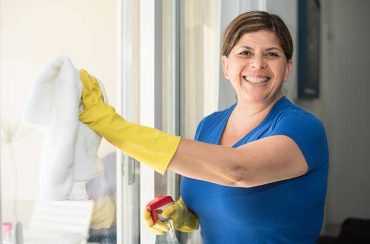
[(260, 98)]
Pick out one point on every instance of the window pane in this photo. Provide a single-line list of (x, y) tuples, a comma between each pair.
[(32, 34), (201, 61), (200, 78)]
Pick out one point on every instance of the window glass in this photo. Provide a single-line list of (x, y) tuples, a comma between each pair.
[(32, 34), (201, 57), (200, 62)]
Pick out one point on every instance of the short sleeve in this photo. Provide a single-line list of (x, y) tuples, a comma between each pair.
[(308, 133)]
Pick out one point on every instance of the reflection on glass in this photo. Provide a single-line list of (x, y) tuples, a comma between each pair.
[(102, 190)]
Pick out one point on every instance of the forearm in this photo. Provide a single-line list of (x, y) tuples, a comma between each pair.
[(256, 163), (133, 138), (214, 163)]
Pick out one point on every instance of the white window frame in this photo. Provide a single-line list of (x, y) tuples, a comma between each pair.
[(128, 182), (150, 93)]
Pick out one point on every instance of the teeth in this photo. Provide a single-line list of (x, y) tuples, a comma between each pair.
[(256, 80)]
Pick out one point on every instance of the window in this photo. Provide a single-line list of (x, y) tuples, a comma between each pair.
[(33, 33)]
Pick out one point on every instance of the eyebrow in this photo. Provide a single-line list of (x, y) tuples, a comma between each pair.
[(274, 48), (267, 49)]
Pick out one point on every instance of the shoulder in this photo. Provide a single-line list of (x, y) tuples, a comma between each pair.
[(290, 114), (305, 129)]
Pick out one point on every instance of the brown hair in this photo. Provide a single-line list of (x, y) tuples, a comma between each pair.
[(255, 21)]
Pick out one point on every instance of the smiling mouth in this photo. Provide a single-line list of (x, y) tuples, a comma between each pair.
[(256, 80)]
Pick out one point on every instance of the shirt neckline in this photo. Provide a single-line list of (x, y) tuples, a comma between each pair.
[(281, 101)]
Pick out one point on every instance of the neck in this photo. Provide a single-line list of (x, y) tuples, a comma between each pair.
[(251, 110)]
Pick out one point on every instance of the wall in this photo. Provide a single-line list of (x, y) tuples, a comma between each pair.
[(346, 106)]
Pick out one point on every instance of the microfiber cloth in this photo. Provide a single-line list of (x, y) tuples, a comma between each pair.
[(70, 148)]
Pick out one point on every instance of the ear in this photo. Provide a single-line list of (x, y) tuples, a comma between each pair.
[(225, 66), (288, 69)]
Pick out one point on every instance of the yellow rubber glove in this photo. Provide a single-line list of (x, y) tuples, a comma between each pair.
[(104, 214), (183, 219), (147, 145)]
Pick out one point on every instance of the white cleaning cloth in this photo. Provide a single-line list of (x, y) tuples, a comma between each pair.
[(70, 147)]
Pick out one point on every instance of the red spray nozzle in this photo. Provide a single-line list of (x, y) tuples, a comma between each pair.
[(157, 203)]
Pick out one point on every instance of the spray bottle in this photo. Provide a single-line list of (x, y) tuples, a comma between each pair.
[(155, 208)]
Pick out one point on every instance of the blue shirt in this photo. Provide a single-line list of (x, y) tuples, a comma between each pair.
[(287, 211)]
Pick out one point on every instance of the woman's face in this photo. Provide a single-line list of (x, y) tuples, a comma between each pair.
[(257, 67)]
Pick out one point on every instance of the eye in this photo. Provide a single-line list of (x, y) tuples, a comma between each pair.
[(245, 53), (272, 54)]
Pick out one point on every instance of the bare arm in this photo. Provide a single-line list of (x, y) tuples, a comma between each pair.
[(263, 161)]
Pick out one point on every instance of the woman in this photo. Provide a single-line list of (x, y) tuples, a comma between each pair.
[(257, 171)]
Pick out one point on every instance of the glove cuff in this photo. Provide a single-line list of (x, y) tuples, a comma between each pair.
[(192, 220)]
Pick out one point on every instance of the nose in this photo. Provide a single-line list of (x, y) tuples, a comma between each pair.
[(258, 62)]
